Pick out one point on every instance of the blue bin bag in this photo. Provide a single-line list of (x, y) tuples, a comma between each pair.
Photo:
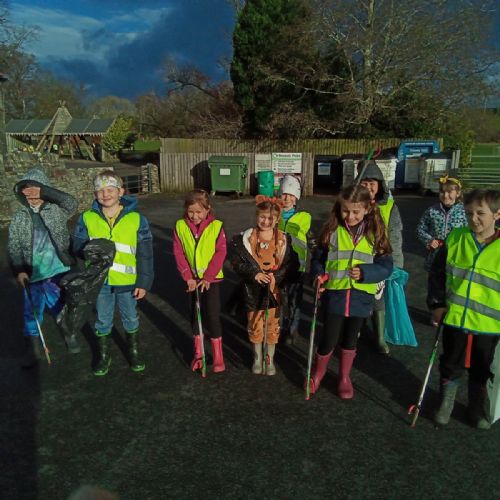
[(398, 326)]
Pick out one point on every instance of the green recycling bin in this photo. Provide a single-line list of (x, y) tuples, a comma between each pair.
[(265, 181), (228, 173)]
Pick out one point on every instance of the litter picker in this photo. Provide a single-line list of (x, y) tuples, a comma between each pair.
[(40, 333), (371, 155), (200, 331), (415, 409), (319, 282), (266, 326)]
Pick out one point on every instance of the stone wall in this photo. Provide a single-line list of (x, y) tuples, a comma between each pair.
[(77, 181)]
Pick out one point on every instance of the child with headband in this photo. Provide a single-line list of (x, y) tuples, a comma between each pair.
[(439, 219), (263, 257), (114, 217)]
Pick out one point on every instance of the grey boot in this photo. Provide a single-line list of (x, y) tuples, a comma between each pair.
[(72, 343), (257, 360), (270, 368), (104, 361), (448, 392), (136, 364), (379, 326), (477, 412)]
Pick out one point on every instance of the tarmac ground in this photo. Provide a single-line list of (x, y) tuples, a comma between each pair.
[(168, 433)]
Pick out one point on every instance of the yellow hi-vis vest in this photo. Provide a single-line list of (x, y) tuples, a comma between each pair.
[(199, 252), (297, 226), (385, 212), (124, 235), (344, 255), (472, 283)]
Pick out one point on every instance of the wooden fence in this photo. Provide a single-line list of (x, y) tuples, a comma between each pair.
[(181, 172), (238, 147), (184, 165)]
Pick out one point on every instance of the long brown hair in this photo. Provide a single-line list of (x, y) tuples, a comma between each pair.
[(274, 209), (199, 196), (375, 230)]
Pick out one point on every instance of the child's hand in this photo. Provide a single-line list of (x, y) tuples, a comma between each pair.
[(434, 244), (203, 285), (22, 279), (272, 283), (31, 193), (263, 278), (319, 281), (438, 315), (355, 273), (191, 285), (139, 293)]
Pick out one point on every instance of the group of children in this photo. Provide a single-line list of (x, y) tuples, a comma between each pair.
[(356, 251)]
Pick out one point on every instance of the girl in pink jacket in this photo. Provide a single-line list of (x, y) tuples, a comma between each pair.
[(199, 251)]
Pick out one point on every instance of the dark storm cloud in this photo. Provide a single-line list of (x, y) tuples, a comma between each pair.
[(196, 32)]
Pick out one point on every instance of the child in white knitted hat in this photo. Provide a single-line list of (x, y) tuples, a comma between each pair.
[(297, 224)]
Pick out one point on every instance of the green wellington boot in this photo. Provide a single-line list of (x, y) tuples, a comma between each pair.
[(136, 364), (104, 361), (379, 326)]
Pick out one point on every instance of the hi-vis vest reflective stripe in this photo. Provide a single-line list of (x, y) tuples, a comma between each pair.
[(199, 253), (472, 283), (342, 256), (385, 212), (297, 227), (124, 235)]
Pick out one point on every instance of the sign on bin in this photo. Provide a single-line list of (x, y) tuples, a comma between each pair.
[(324, 168), (262, 162), (224, 171)]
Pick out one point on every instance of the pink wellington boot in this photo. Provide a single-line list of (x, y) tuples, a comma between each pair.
[(318, 371), (345, 388), (197, 362), (218, 355)]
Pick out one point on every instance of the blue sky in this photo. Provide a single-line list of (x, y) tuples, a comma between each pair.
[(117, 46)]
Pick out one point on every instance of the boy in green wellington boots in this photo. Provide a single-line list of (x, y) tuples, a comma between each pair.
[(464, 294), (113, 216)]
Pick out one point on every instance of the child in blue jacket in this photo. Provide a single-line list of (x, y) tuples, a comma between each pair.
[(113, 216)]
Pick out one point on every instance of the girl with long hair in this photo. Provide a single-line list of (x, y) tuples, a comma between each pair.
[(355, 253)]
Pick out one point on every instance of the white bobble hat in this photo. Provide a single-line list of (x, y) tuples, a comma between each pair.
[(290, 185)]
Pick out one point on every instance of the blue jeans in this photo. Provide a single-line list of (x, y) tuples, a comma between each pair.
[(46, 294), (127, 304)]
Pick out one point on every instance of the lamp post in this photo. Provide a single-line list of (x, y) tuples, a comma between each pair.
[(3, 137)]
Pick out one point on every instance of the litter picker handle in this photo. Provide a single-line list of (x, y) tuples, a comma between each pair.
[(200, 332), (39, 328), (319, 282), (415, 409)]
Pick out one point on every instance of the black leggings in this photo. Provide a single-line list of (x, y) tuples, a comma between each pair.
[(452, 360), (339, 330), (210, 311)]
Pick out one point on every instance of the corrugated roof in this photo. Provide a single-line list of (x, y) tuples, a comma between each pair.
[(77, 126), (99, 125), (27, 127)]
